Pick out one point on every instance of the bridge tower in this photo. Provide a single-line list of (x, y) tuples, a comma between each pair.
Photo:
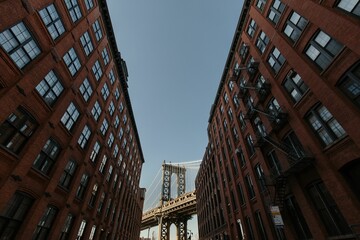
[(179, 221)]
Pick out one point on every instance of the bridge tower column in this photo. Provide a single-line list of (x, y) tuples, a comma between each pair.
[(181, 228), (168, 170), (164, 229)]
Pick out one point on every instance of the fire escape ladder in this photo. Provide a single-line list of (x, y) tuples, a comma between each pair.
[(280, 190)]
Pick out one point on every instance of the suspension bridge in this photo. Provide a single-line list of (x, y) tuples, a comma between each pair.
[(171, 199)]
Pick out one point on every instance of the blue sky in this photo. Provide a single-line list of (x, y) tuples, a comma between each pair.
[(175, 52)]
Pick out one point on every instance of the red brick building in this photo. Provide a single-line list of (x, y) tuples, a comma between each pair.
[(283, 130), (70, 154)]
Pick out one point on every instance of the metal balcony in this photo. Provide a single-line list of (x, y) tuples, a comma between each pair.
[(263, 91), (251, 113), (278, 119)]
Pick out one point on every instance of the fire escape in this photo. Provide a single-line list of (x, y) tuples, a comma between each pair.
[(297, 158)]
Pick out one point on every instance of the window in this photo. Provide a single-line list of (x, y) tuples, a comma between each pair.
[(121, 107), (276, 60), (249, 228), (16, 130), (250, 186), (322, 49), (260, 226), (121, 133), (230, 114), (105, 92), (297, 219), (108, 176), (116, 151), (68, 174), (236, 101), (262, 42), (13, 215), (252, 28), (294, 26), (96, 110), (81, 229), (86, 89), (97, 30), (260, 4), (273, 107), (260, 177), (72, 61), (241, 157), (74, 9), (295, 86), (86, 43), (250, 145), (43, 228), (103, 164), (65, 232), (89, 4), (325, 125), (50, 88), (117, 94), (95, 152), (352, 6), (80, 192), (104, 127), (47, 156), (101, 203), (231, 85), (19, 44), (52, 21), (226, 98), (96, 68), (350, 84), (92, 232), (84, 136), (241, 195), (112, 77), (110, 140), (105, 56), (111, 108), (93, 195), (328, 211), (124, 119), (276, 10), (116, 121), (242, 120), (70, 116), (274, 164)]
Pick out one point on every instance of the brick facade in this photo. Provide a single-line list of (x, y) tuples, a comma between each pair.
[(283, 127), (38, 182)]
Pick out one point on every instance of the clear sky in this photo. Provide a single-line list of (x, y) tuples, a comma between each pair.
[(175, 52)]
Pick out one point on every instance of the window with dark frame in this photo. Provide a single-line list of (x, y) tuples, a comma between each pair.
[(80, 192), (327, 128), (13, 214), (86, 89), (105, 91), (86, 43), (65, 232), (19, 44), (72, 61), (351, 6), (294, 26), (96, 111), (276, 60), (262, 41), (260, 4), (274, 164), (250, 145), (104, 127), (295, 86), (349, 84), (70, 116), (52, 21), (296, 217), (260, 225), (44, 226), (84, 136), (73, 9), (112, 77), (45, 161), (95, 152), (89, 4), (241, 195), (105, 56), (50, 88), (260, 175), (97, 71), (251, 28), (322, 49), (81, 229), (276, 11), (249, 229), (103, 164), (97, 30), (250, 186), (68, 174), (111, 108), (328, 211), (93, 196)]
